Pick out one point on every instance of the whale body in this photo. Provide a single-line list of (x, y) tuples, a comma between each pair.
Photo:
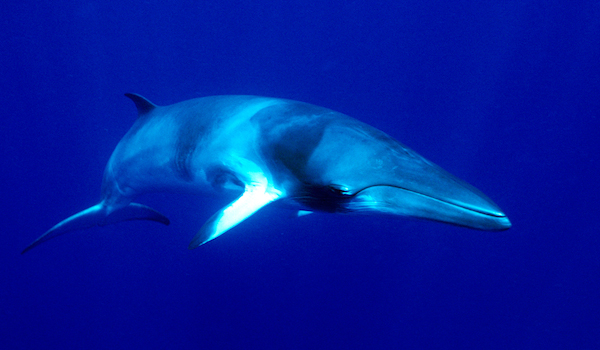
[(273, 150)]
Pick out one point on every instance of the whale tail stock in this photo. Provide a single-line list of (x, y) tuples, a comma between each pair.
[(100, 215)]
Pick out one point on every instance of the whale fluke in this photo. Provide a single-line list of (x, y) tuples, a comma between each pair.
[(99, 215)]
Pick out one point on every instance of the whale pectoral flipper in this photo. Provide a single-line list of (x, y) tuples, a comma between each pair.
[(98, 216), (253, 198)]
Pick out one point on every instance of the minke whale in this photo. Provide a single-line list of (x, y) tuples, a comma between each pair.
[(273, 150)]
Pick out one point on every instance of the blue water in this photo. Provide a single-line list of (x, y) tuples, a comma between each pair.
[(504, 94)]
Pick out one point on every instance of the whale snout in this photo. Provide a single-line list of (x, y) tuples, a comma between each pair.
[(460, 205)]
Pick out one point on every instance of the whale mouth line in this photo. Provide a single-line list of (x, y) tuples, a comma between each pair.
[(447, 202)]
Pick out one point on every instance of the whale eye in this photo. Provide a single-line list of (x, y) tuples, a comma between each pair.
[(340, 190)]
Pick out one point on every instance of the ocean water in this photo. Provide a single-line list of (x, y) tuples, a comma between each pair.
[(503, 94)]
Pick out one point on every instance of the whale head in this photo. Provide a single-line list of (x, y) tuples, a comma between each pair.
[(361, 170)]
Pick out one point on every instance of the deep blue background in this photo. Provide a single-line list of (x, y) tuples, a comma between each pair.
[(504, 94)]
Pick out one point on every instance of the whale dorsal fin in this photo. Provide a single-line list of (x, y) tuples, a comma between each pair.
[(141, 103)]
